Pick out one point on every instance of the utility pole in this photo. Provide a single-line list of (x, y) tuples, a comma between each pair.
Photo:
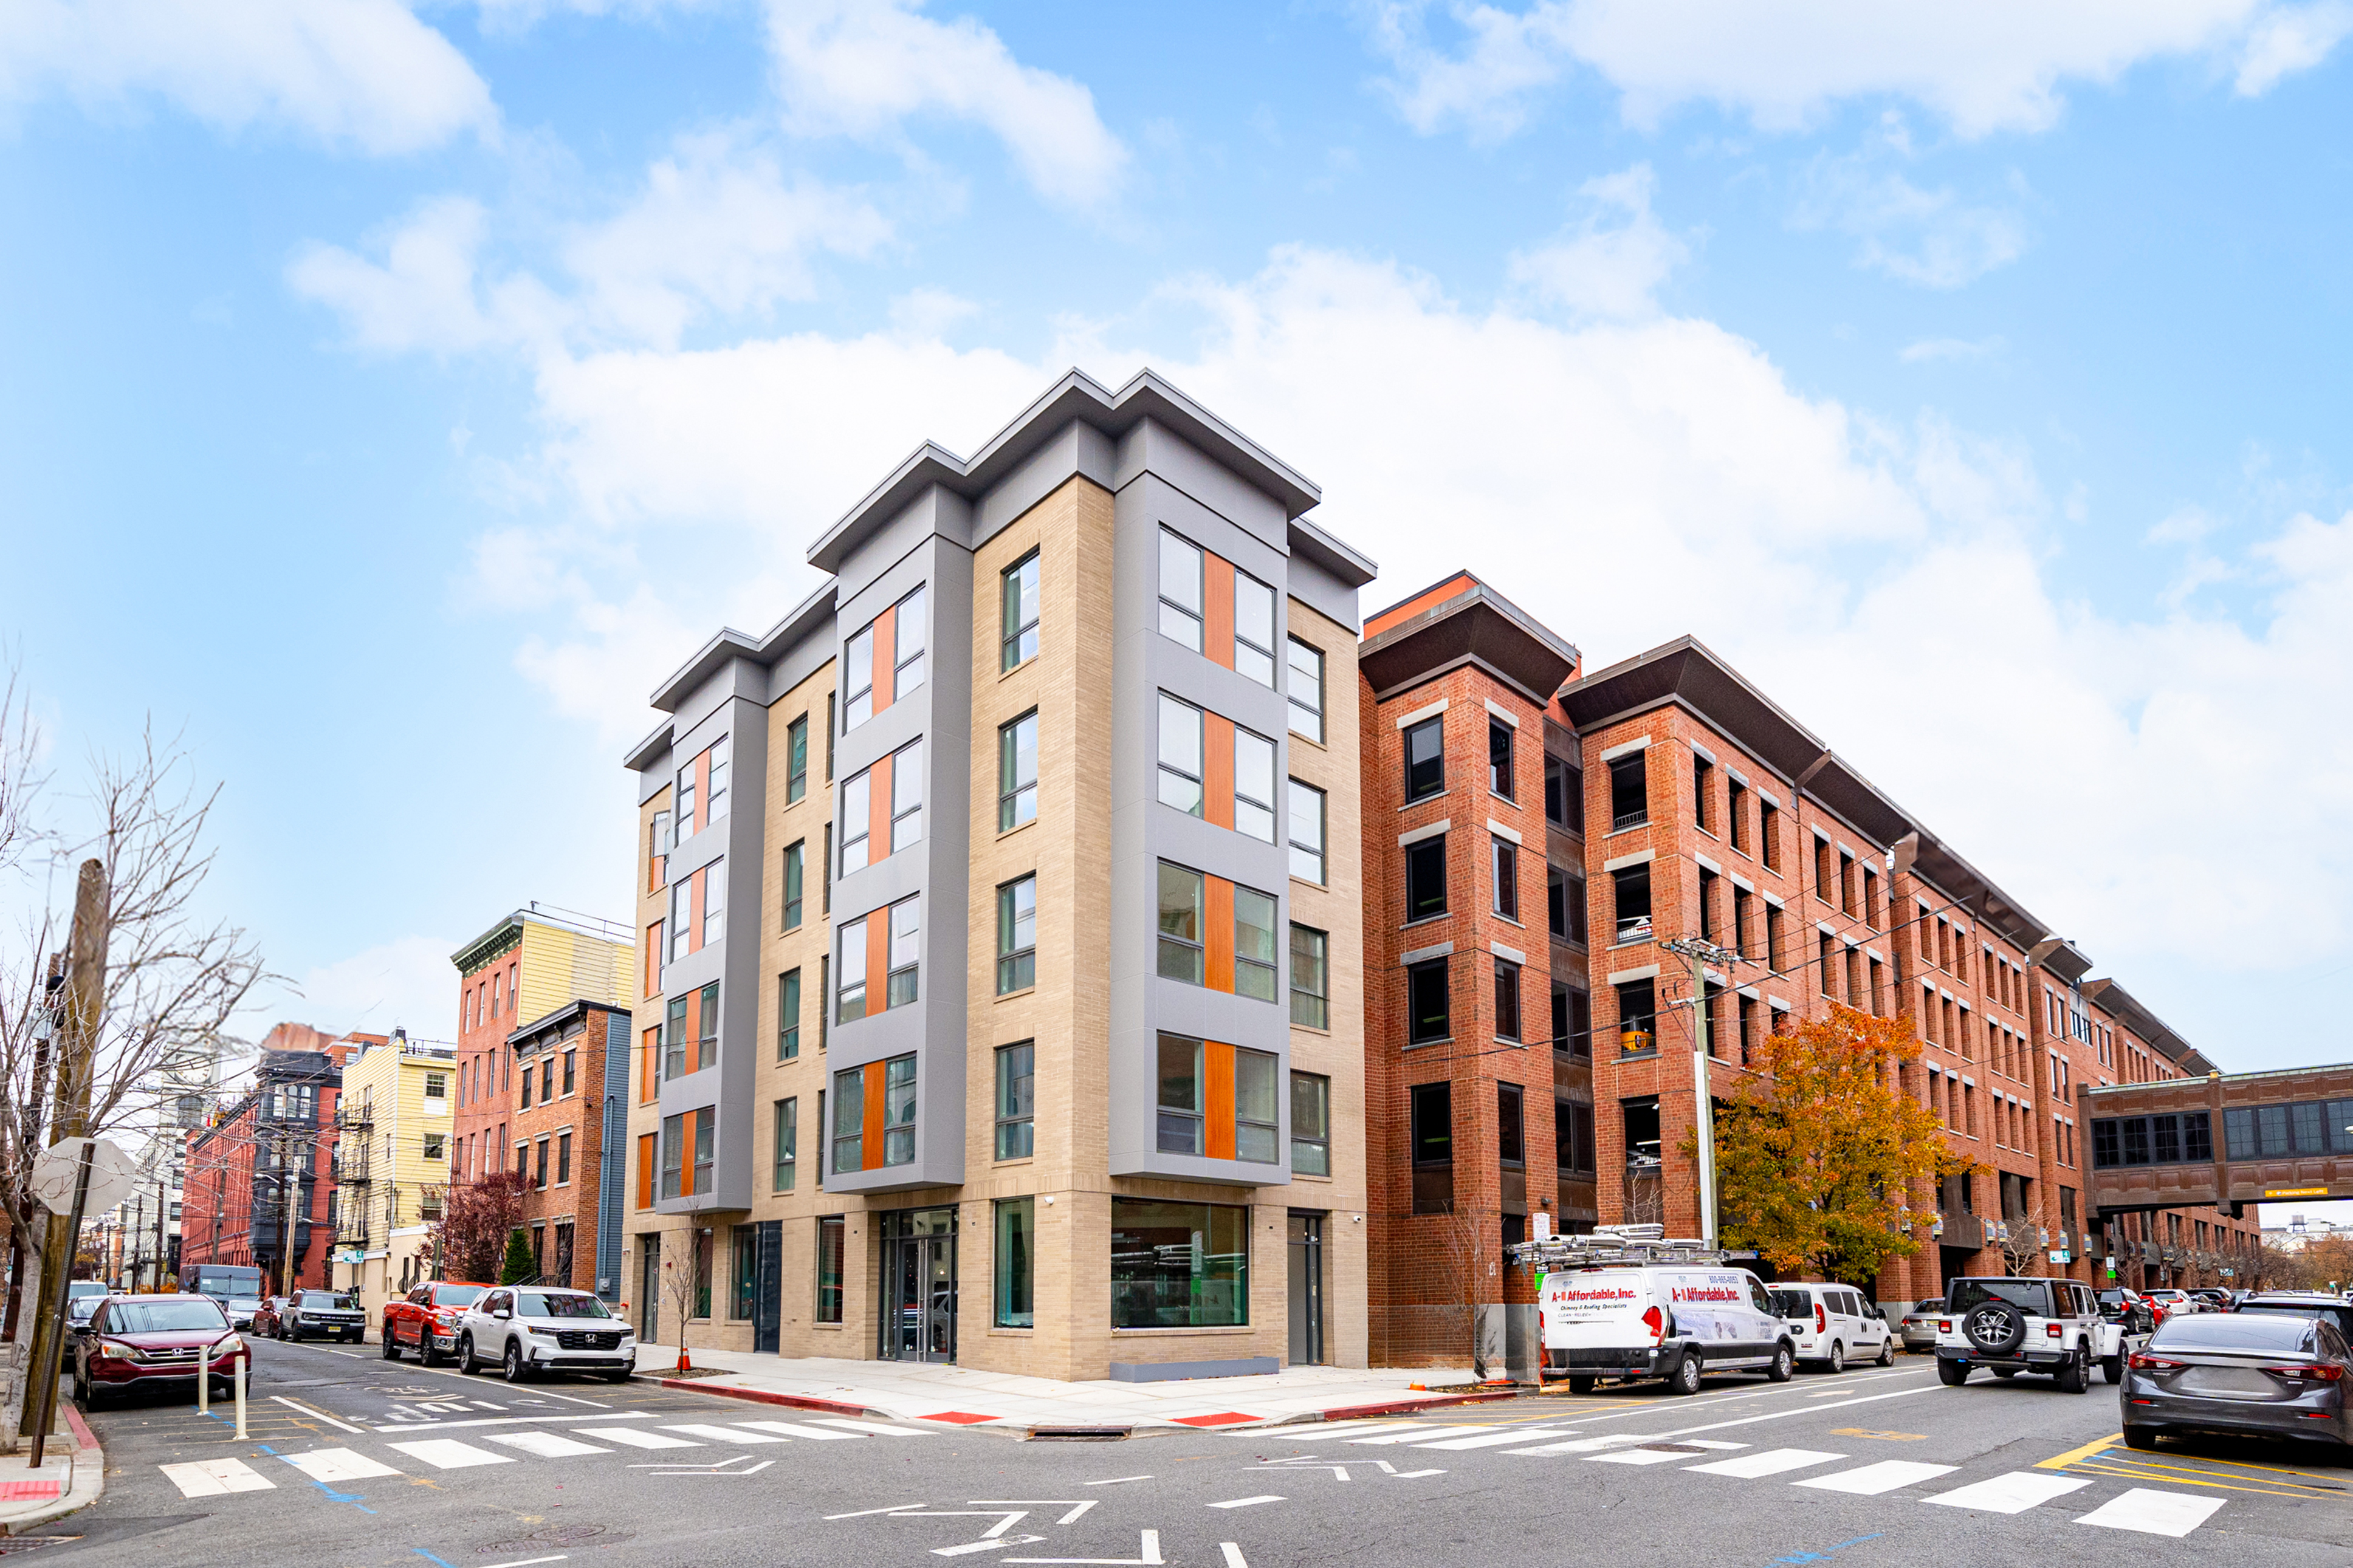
[(83, 1015), (1700, 954)]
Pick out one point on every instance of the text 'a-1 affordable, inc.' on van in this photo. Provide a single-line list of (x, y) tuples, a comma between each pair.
[(1627, 1304)]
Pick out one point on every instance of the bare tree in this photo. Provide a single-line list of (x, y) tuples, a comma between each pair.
[(2020, 1243), (678, 1274), (1474, 1277)]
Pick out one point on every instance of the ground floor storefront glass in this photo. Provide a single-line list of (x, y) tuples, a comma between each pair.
[(1179, 1265)]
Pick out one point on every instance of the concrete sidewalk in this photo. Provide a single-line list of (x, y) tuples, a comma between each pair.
[(960, 1397), (72, 1476)]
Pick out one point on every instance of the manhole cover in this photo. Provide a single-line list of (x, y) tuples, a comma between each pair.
[(11, 1545), (560, 1536)]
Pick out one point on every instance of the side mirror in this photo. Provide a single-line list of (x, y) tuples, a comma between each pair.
[(503, 1314)]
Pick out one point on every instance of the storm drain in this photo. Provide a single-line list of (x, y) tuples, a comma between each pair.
[(1079, 1434), (1671, 1449), (12, 1545)]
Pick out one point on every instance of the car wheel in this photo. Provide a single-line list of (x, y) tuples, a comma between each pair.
[(1579, 1384), (514, 1370), (618, 1374), (425, 1354), (2113, 1369), (1887, 1353), (1837, 1362), (86, 1393), (2074, 1374), (1684, 1379), (2140, 1437), (391, 1346), (1784, 1364), (466, 1353), (1952, 1373)]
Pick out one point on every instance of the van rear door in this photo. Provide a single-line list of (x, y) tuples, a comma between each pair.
[(1588, 1308)]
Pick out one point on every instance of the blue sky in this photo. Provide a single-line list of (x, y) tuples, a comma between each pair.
[(395, 394)]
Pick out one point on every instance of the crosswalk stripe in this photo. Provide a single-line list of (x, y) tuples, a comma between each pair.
[(1318, 1432), (788, 1429), (546, 1445), (725, 1434), (2013, 1493), (1771, 1462), (337, 1465), (2153, 1512), (1497, 1439), (1659, 1455), (885, 1429), (1420, 1435), (448, 1454), (214, 1478), (633, 1438), (1870, 1480)]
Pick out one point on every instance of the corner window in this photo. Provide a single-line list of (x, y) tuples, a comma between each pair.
[(1307, 820), (1020, 624), (1311, 980), (1255, 954), (1306, 689), (1181, 767), (1511, 1126), (1500, 782), (1016, 1241), (899, 1110), (1631, 888), (906, 796), (796, 759), (1428, 1016), (1253, 786), (1179, 1265), (1179, 1128), (849, 1120), (1181, 943), (1017, 772), (1016, 1101), (1180, 590), (1253, 629), (1311, 1125), (1256, 1133), (909, 640), (1425, 760), (1017, 935), (1630, 798), (1638, 1021), (1425, 877)]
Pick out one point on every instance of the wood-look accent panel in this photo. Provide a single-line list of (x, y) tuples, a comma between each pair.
[(1217, 608), (1217, 939), (886, 656), (1218, 1100), (1216, 769), (871, 1128)]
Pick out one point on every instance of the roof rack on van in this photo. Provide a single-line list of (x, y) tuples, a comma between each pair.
[(1615, 1244)]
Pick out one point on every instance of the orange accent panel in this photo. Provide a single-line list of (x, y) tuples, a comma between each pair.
[(702, 792), (1217, 608), (694, 1022), (870, 1141), (878, 811), (649, 1067), (878, 961), (653, 859), (645, 1170), (1218, 938), (1217, 768), (1218, 1100), (694, 912), (1454, 587), (886, 656), (653, 958)]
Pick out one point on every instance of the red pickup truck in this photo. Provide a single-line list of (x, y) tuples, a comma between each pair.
[(425, 1320)]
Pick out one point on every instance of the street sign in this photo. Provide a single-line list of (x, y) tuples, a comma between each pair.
[(112, 1175), (1539, 1225)]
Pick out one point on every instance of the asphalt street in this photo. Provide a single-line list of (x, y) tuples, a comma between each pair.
[(352, 1462)]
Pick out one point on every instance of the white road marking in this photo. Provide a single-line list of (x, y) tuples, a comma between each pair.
[(1420, 1435), (337, 1465), (546, 1445), (1233, 1554), (1870, 1480), (1590, 1445), (1147, 1555), (888, 1431), (1497, 1439), (1317, 1432), (316, 1415), (1658, 1455), (725, 1434), (634, 1437), (1770, 1462), (1116, 1480), (1076, 1505), (527, 1562), (512, 1421), (870, 1513), (214, 1478), (2153, 1512), (1246, 1501), (1577, 1444), (789, 1429), (448, 1454), (1414, 1475), (2013, 1493)]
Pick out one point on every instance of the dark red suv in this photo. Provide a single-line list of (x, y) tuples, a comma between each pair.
[(156, 1343)]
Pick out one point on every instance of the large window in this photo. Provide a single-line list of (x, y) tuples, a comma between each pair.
[(1507, 999), (831, 1230), (849, 1120), (1181, 924), (706, 1042), (1425, 760), (1631, 890), (673, 1155), (899, 1110), (1311, 978), (1511, 1125), (1254, 630), (857, 817), (1564, 795), (1572, 1136), (1017, 772), (1638, 1015), (1311, 1125), (1428, 1013), (1504, 875), (1017, 1102), (674, 1042), (706, 1134), (908, 634), (1180, 590), (795, 875), (858, 680), (1020, 624), (1017, 935), (715, 902), (1179, 1265), (1016, 1247), (1180, 1097), (906, 950), (1180, 755), (788, 1014), (744, 1249), (1500, 737), (1630, 798), (1254, 950), (1305, 690), (788, 1143), (1253, 786), (2256, 1131), (1256, 1132), (1307, 828), (850, 1000), (906, 796), (796, 759), (1430, 1132), (1425, 877)]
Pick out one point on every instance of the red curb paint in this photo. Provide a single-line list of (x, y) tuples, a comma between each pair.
[(1406, 1406), (82, 1434), (26, 1491), (1224, 1418), (763, 1396), (961, 1417)]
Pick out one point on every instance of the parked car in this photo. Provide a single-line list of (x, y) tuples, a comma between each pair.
[(2010, 1325), (2129, 1308), (2217, 1299), (323, 1314), (1830, 1325), (1631, 1322), (82, 1297), (159, 1343), (269, 1319), (1919, 1325), (2317, 1304), (2168, 1301), (527, 1329), (425, 1320), (2281, 1374)]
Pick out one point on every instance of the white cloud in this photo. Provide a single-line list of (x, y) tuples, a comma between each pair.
[(420, 297), (862, 68), (1931, 238), (1931, 351), (365, 72), (408, 982), (1999, 65), (1613, 260)]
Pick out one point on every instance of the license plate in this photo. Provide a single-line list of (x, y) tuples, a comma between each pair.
[(2229, 1380)]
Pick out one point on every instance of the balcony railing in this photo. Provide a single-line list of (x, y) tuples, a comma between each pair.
[(1634, 928)]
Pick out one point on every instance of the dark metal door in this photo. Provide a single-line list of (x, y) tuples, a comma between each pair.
[(649, 1289), (767, 1294), (1306, 1250)]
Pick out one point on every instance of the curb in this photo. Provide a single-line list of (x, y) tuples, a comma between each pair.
[(88, 1453), (1402, 1406), (764, 1397)]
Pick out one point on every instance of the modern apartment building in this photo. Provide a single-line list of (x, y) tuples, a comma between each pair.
[(1002, 1000), (530, 965), (393, 1149)]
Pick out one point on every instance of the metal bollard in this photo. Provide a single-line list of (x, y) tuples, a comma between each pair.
[(240, 1397), (204, 1385)]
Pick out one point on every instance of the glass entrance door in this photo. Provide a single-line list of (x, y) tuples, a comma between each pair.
[(919, 1285), (649, 1288), (1306, 1251)]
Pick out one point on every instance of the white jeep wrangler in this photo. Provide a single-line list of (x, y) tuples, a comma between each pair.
[(2009, 1326)]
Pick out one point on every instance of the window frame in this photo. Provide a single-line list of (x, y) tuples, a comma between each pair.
[(1417, 862), (794, 884), (1504, 738), (1247, 667), (797, 760), (1316, 963), (788, 1014), (1315, 855), (1508, 1024), (1169, 1115), (1015, 1135), (1169, 941), (1013, 1236), (1434, 786), (1197, 614), (1017, 962), (1504, 875), (1021, 594), (1177, 710), (1312, 677), (1310, 1135), (1267, 970), (785, 1151), (1013, 792), (1418, 979)]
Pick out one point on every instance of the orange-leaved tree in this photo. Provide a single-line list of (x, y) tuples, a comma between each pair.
[(1814, 1156)]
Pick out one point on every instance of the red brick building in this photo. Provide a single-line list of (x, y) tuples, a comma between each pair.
[(570, 1107), (260, 1171)]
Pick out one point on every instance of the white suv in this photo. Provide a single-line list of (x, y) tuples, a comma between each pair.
[(1832, 1325), (2009, 1326), (526, 1329)]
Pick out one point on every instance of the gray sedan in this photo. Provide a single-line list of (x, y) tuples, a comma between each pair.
[(1919, 1325), (2248, 1373)]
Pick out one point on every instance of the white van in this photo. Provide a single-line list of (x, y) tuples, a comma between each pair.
[(1630, 1322), (1831, 1325)]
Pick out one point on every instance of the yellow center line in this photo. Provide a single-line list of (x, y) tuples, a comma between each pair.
[(2185, 1479), (2176, 1470), (2061, 1462)]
